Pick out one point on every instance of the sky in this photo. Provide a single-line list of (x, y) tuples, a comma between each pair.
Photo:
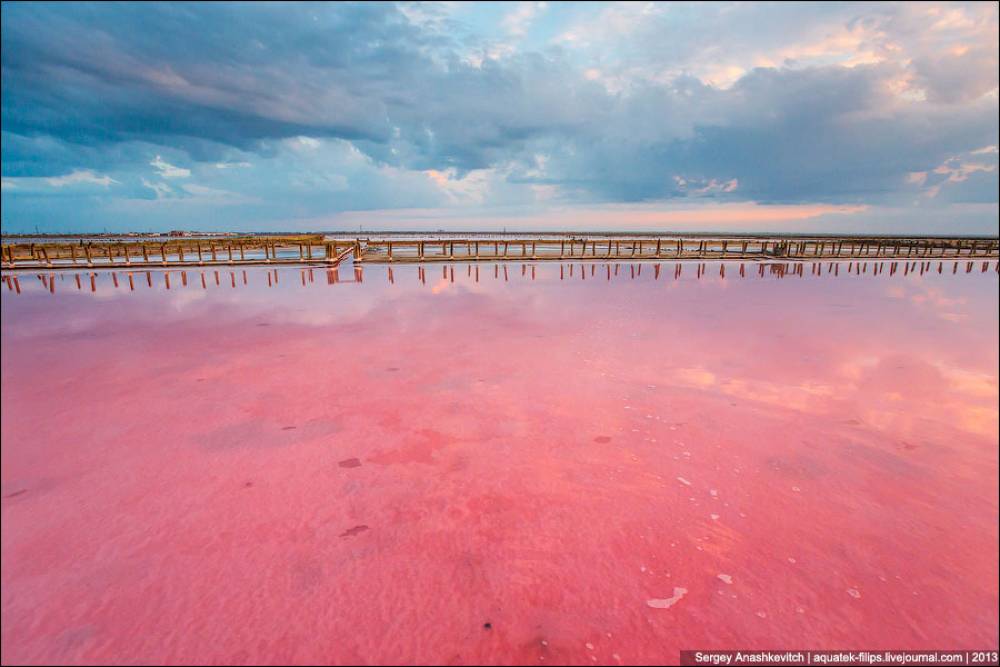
[(839, 117)]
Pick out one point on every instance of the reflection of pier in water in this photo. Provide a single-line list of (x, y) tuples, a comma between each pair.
[(167, 279)]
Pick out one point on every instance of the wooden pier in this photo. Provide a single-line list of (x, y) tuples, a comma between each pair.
[(630, 248), (180, 252), (320, 250)]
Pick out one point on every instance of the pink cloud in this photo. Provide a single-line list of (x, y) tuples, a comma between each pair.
[(609, 216)]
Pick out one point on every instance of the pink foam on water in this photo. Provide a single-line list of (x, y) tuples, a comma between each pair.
[(503, 471)]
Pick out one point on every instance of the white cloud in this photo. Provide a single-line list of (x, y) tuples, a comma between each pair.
[(168, 170), (79, 176), (618, 20), (517, 22), (162, 190), (215, 195), (953, 170), (957, 171), (711, 186), (303, 143), (929, 50)]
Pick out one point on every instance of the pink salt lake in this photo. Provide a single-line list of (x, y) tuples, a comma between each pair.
[(503, 464)]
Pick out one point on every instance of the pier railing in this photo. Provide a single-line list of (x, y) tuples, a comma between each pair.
[(316, 249)]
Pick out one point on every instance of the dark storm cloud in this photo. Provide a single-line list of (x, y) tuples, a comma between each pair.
[(94, 85)]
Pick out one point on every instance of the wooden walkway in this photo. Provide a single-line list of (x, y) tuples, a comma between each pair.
[(670, 247), (317, 250), (182, 252)]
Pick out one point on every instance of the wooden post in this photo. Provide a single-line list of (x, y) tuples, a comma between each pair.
[(180, 252), (128, 260), (145, 254), (198, 243), (242, 253), (211, 245)]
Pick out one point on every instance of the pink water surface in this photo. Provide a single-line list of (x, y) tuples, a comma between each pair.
[(503, 464)]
